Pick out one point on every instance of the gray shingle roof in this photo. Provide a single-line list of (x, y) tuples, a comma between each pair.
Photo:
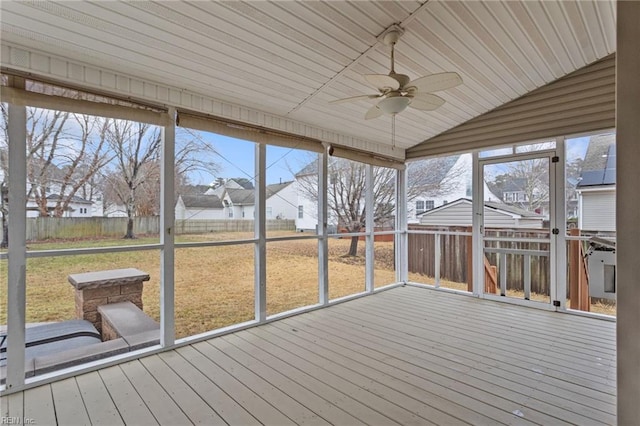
[(74, 199), (247, 196), (599, 167), (202, 201)]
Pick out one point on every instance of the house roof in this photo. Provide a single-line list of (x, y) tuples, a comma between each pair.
[(244, 197), (241, 196), (599, 167), (74, 199), (292, 58), (202, 201), (436, 169), (309, 169), (505, 208)]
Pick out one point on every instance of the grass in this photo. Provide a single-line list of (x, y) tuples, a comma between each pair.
[(214, 286)]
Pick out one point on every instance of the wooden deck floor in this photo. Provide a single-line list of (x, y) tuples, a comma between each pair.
[(403, 356)]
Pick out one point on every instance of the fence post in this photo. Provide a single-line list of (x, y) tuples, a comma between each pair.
[(578, 283)]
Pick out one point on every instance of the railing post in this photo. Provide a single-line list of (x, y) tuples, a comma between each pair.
[(469, 248), (436, 259), (527, 277)]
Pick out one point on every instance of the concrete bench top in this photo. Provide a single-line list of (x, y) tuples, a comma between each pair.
[(107, 278), (127, 319)]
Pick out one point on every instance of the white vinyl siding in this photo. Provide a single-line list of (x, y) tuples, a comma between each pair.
[(460, 214), (580, 102), (455, 214), (598, 210)]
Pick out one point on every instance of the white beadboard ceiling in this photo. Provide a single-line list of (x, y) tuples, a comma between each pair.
[(289, 59)]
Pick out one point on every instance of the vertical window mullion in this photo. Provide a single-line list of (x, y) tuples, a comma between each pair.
[(323, 243), (167, 235), (369, 227), (16, 292), (260, 288)]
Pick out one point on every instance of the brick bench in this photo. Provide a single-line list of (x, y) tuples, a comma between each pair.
[(102, 287), (125, 320)]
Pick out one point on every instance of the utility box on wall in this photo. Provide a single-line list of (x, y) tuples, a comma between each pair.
[(602, 274)]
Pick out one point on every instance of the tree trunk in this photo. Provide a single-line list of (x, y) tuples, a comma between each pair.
[(353, 248), (5, 233), (129, 234)]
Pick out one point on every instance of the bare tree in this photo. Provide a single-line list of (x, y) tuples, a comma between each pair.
[(347, 185), (346, 194), (524, 184), (80, 166), (134, 179), (135, 146)]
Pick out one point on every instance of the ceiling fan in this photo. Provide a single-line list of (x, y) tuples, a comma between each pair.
[(398, 91)]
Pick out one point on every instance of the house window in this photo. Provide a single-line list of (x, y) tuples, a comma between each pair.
[(420, 207), (230, 213), (300, 212), (429, 204), (269, 212)]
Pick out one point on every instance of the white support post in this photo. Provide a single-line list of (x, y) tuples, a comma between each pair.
[(478, 223), (260, 221), (560, 291), (402, 255), (167, 235), (628, 211), (370, 239), (16, 293), (323, 243)]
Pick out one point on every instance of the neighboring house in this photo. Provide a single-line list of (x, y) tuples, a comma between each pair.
[(498, 215), (517, 191), (115, 210), (78, 207), (220, 185), (514, 191), (597, 186), (452, 179), (307, 207), (193, 207), (238, 203), (237, 200)]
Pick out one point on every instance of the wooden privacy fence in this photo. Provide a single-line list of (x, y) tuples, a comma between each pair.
[(454, 254), (44, 228), (454, 250)]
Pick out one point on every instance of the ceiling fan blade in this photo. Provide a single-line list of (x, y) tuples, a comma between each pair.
[(382, 82), (354, 98), (426, 102), (374, 112), (436, 82)]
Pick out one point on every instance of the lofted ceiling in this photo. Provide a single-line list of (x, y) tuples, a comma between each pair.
[(289, 59)]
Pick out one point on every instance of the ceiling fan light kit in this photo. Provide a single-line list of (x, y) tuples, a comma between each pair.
[(394, 104), (397, 91)]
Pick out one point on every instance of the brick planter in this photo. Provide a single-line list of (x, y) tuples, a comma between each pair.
[(94, 289)]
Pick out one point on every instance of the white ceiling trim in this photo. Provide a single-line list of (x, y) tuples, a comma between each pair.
[(57, 69)]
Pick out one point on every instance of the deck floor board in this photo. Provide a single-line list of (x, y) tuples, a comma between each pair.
[(406, 356)]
